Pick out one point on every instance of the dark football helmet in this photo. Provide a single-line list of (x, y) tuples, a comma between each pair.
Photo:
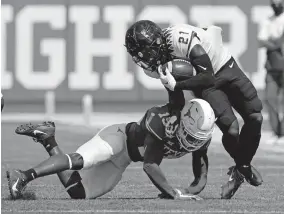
[(144, 41)]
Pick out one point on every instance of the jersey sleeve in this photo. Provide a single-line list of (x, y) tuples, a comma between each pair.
[(184, 40)]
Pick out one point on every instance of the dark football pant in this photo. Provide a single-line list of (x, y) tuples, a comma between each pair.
[(234, 89), (2, 104), (274, 96)]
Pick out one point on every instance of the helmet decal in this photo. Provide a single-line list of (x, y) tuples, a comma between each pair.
[(196, 124)]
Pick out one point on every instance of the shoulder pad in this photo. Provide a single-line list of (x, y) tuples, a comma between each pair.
[(161, 123), (155, 121)]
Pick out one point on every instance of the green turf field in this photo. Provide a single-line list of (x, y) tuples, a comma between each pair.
[(135, 193)]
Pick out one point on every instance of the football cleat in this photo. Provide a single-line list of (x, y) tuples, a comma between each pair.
[(16, 182), (235, 181), (39, 132), (251, 175)]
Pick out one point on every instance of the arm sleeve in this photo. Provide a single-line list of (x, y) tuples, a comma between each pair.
[(199, 163), (153, 156), (203, 66), (176, 100), (200, 170)]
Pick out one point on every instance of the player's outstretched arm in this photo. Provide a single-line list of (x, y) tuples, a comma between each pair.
[(200, 171), (204, 70), (176, 100), (153, 157)]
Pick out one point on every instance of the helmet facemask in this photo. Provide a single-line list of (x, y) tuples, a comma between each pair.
[(146, 45), (150, 57)]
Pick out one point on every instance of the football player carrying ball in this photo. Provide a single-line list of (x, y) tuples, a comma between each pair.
[(218, 80)]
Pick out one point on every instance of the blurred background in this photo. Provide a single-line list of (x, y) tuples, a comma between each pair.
[(64, 57)]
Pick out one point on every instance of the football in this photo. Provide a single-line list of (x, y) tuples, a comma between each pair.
[(181, 69)]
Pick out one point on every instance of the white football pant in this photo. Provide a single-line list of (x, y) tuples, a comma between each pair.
[(105, 159)]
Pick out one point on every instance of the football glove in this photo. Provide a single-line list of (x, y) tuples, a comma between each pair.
[(167, 79), (180, 196)]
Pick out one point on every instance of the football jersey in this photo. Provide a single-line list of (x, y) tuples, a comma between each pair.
[(272, 28), (162, 126), (183, 37)]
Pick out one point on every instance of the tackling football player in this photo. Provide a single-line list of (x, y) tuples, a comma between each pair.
[(159, 134), (218, 80)]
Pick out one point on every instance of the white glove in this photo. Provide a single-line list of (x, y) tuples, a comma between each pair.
[(187, 196), (167, 80)]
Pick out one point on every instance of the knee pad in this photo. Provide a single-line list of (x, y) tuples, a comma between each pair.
[(234, 129), (230, 138), (76, 161), (74, 186), (255, 119)]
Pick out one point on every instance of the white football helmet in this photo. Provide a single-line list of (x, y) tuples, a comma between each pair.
[(196, 124)]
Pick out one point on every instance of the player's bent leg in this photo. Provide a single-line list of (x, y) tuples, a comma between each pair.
[(250, 137), (74, 186), (101, 179), (244, 99), (71, 180), (42, 133), (90, 156), (236, 178), (230, 137), (105, 159), (228, 124), (18, 179), (249, 142), (227, 121)]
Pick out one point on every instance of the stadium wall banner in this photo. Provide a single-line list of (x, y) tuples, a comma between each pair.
[(74, 47)]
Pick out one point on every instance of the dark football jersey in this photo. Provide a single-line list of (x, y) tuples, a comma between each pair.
[(161, 125)]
